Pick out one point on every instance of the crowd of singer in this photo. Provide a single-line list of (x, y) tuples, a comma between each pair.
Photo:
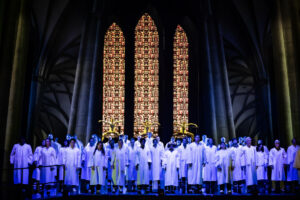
[(146, 165)]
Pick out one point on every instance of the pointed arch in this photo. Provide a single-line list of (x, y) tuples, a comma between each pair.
[(180, 76), (146, 85), (114, 76)]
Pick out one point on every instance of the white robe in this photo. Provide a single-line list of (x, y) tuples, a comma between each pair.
[(86, 157), (143, 157), (131, 171), (183, 157), (48, 158), (99, 162), (72, 162), (60, 161), (119, 160), (249, 161), (223, 161), (238, 173), (210, 170), (21, 157), (109, 152), (277, 159), (292, 173), (156, 157), (171, 164), (197, 159), (261, 164), (37, 158)]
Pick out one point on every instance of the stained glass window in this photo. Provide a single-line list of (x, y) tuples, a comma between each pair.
[(181, 74), (146, 73), (114, 76)]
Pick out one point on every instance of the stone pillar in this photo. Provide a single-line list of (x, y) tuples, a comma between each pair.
[(81, 93), (16, 91), (285, 36)]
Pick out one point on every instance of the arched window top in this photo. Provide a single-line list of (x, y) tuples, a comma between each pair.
[(181, 74), (114, 76)]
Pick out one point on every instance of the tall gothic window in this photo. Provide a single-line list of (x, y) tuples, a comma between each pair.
[(146, 73), (181, 74), (114, 76)]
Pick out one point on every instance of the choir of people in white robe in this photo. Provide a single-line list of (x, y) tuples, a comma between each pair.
[(277, 160), (145, 163), (21, 157)]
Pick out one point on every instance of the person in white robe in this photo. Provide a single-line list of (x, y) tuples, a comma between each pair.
[(261, 167), (159, 143), (48, 168), (21, 157), (171, 166), (238, 174), (60, 161), (210, 170), (196, 161), (172, 140), (249, 165), (72, 162), (137, 143), (87, 155), (183, 151), (292, 173), (157, 154), (277, 160), (143, 165), (110, 171), (131, 175), (119, 162), (204, 140), (223, 163), (98, 166), (37, 161)]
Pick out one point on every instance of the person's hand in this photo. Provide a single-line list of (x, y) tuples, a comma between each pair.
[(83, 163), (203, 164), (137, 167), (78, 168), (93, 168), (149, 165), (272, 167), (219, 168), (243, 167), (104, 168), (232, 168), (190, 165), (256, 167), (51, 168)]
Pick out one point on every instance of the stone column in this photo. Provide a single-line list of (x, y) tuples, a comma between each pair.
[(16, 91)]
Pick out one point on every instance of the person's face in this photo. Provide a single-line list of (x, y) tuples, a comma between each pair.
[(158, 139), (189, 140), (230, 143), (72, 143), (277, 144), (149, 134), (48, 143), (210, 141), (197, 138), (65, 143), (43, 143), (184, 141), (155, 143), (203, 138), (125, 137), (172, 139), (223, 139), (248, 142), (294, 141), (92, 141), (132, 142), (178, 142), (112, 143), (142, 143), (22, 141), (234, 143)]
